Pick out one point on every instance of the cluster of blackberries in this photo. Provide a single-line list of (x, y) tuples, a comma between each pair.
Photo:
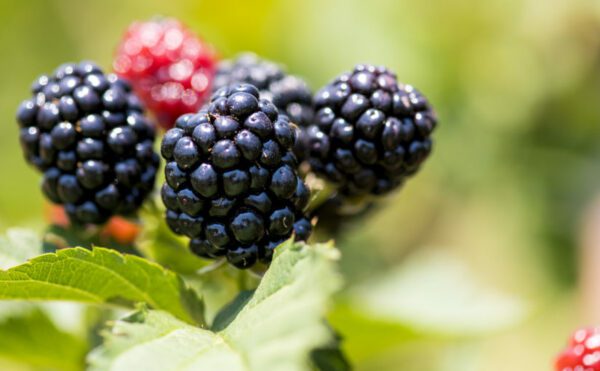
[(87, 133), (231, 179), (232, 165), (364, 132), (370, 132)]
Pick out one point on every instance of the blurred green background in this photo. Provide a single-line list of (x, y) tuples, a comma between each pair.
[(516, 84)]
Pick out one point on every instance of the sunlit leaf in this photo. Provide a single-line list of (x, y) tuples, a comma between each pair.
[(276, 327), (100, 276), (31, 339), (220, 285)]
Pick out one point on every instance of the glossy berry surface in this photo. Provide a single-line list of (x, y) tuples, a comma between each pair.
[(582, 352), (231, 181), (86, 132), (170, 67), (370, 132), (290, 94)]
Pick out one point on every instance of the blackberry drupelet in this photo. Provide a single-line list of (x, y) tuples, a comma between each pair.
[(231, 181), (290, 94), (370, 132), (86, 132), (169, 66)]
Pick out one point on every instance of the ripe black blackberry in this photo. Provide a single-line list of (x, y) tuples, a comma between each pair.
[(86, 132), (290, 94), (231, 181), (370, 132)]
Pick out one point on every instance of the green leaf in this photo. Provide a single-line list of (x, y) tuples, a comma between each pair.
[(155, 340), (282, 321), (435, 293), (26, 329), (17, 246), (330, 357), (57, 237), (219, 287), (231, 310), (276, 327), (100, 276), (32, 339), (366, 335)]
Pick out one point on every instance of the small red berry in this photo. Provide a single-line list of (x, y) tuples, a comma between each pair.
[(170, 67), (56, 215), (121, 230), (582, 353)]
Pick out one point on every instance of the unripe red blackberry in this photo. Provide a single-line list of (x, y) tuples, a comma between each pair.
[(87, 133), (582, 352), (170, 67), (231, 180), (370, 132)]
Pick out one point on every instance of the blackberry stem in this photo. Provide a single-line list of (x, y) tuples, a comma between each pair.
[(321, 190)]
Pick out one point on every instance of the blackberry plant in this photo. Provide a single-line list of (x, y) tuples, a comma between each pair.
[(233, 191)]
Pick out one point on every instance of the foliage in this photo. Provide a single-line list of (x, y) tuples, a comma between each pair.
[(99, 276), (275, 327), (32, 338), (280, 325)]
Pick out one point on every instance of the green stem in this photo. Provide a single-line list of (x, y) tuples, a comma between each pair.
[(321, 191)]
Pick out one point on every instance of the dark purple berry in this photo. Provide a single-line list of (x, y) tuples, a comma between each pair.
[(370, 132), (231, 180), (87, 133)]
